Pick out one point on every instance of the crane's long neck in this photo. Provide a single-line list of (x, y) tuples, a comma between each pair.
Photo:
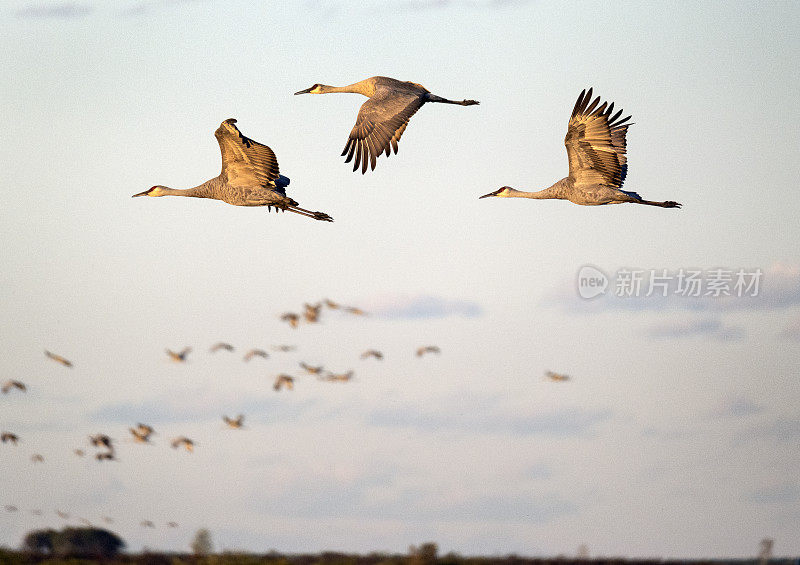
[(365, 87), (555, 191), (205, 190)]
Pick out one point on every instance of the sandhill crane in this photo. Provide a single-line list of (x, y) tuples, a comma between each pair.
[(291, 318), (255, 352), (284, 381), (172, 524), (8, 437), (355, 311), (8, 385), (249, 177), (284, 348), (37, 458), (11, 508), (383, 118), (310, 369), (105, 456), (179, 357), (145, 429), (331, 304), (557, 377), (58, 359), (372, 353), (140, 436), (427, 349), (99, 440), (79, 452), (184, 442), (221, 345), (311, 312), (596, 148), (338, 377), (234, 423), (147, 524)]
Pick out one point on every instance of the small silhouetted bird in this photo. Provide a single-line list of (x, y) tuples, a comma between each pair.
[(234, 423), (58, 359), (338, 377), (221, 345), (311, 369), (8, 385), (184, 442), (372, 353), (8, 437), (255, 352), (181, 356), (427, 349), (291, 318), (284, 381), (557, 377)]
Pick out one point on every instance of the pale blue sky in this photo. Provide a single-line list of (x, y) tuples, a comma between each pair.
[(676, 437)]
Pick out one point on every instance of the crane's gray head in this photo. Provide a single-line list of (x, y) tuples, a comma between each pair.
[(157, 190), (316, 89), (500, 192)]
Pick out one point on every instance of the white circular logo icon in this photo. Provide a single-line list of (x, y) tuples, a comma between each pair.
[(591, 282)]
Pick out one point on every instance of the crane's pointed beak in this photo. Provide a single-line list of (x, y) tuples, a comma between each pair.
[(490, 194), (141, 193), (306, 91)]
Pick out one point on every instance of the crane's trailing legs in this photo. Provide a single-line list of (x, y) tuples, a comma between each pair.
[(434, 98)]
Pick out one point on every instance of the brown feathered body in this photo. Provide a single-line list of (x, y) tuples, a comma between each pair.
[(383, 118), (249, 177), (598, 163)]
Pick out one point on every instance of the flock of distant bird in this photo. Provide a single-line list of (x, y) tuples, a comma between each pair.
[(141, 433), (250, 176)]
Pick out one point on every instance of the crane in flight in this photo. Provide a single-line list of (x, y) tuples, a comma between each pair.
[(383, 118), (249, 177), (596, 149), (8, 385), (58, 359)]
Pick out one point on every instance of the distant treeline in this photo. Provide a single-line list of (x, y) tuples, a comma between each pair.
[(12, 557)]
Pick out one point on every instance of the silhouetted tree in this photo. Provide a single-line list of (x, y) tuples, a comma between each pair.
[(93, 542), (201, 544), (425, 554), (39, 541)]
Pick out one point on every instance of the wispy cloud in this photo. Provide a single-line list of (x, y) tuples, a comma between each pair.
[(782, 493), (736, 407), (703, 327), (60, 10), (438, 4), (489, 417), (146, 6), (792, 329), (422, 307), (162, 411)]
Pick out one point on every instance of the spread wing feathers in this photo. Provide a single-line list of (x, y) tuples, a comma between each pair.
[(596, 142), (245, 161), (380, 123)]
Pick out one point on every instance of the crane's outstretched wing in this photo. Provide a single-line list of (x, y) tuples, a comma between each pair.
[(596, 143), (245, 161), (381, 121)]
